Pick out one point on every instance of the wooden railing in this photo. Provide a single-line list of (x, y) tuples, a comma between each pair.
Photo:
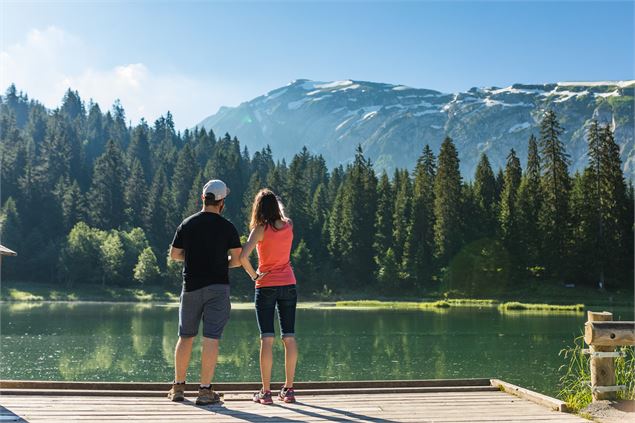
[(602, 335)]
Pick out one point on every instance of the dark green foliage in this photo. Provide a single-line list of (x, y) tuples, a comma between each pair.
[(134, 185), (106, 195), (508, 216), (528, 205), (555, 182), (419, 249), (448, 224), (384, 216), (485, 196)]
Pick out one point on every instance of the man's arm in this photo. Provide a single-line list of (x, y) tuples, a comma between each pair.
[(234, 257), (177, 254)]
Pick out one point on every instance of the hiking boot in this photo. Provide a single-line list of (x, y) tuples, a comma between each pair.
[(263, 397), (177, 392), (207, 396), (287, 394)]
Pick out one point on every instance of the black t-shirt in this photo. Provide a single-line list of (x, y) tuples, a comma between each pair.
[(206, 237)]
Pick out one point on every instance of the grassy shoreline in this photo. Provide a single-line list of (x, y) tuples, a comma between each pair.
[(545, 298)]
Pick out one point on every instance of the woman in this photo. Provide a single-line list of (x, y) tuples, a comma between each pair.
[(272, 235)]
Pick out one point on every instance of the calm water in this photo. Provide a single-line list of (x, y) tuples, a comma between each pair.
[(124, 342)]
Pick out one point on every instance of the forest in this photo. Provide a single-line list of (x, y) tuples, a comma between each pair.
[(89, 199)]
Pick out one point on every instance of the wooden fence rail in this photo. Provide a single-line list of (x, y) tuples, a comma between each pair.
[(602, 335)]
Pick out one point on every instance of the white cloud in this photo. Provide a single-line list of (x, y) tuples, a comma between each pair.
[(50, 61)]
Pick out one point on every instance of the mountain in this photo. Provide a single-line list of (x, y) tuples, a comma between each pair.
[(394, 122)]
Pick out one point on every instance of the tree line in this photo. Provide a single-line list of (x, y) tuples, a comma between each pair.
[(88, 198)]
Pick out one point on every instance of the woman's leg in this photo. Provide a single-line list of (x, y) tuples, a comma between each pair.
[(266, 361), (265, 301), (290, 360), (287, 302)]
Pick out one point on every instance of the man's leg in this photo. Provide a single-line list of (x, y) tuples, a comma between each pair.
[(190, 311), (209, 356), (266, 361), (182, 354)]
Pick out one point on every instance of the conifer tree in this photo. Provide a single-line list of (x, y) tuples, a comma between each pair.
[(139, 149), (135, 195), (447, 195), (402, 210), (182, 180), (384, 217), (507, 216), (615, 223), (420, 242), (555, 183), (485, 193), (106, 195), (528, 205)]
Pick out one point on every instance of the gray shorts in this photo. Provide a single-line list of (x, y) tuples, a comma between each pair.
[(211, 303)]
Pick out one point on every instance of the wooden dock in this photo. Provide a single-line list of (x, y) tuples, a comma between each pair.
[(471, 400)]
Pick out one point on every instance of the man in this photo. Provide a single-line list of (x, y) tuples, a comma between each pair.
[(208, 244)]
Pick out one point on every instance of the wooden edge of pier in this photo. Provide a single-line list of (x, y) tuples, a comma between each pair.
[(239, 391), (535, 397)]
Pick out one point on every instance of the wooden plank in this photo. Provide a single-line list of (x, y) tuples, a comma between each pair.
[(242, 386), (532, 396), (421, 407), (115, 393)]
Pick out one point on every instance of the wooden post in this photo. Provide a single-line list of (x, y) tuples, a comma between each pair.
[(602, 369)]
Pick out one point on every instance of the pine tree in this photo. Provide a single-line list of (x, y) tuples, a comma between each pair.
[(296, 194), (384, 216), (615, 223), (507, 216), (317, 238), (139, 149), (248, 199), (555, 182), (447, 200), (182, 180), (584, 263), (106, 195), (155, 212), (351, 235), (135, 195), (304, 267), (420, 242), (402, 210), (528, 205), (485, 193)]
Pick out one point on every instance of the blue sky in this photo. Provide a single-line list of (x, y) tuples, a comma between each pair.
[(192, 57)]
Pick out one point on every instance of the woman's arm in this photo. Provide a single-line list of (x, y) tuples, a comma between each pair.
[(254, 237)]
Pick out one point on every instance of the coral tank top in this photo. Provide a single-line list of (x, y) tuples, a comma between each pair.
[(274, 251)]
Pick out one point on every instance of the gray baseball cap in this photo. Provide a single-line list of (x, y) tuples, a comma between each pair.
[(217, 188)]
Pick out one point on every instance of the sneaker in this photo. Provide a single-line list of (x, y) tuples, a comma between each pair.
[(207, 396), (263, 397), (287, 394), (177, 392)]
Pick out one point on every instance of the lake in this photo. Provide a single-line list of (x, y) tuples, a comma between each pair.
[(135, 342)]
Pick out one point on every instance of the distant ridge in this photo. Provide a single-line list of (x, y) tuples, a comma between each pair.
[(394, 122)]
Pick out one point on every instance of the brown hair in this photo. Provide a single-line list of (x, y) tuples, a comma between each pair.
[(266, 209), (210, 201)]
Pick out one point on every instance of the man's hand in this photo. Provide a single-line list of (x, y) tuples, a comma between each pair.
[(234, 257), (177, 254)]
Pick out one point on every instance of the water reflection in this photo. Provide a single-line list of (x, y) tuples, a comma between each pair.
[(123, 342)]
